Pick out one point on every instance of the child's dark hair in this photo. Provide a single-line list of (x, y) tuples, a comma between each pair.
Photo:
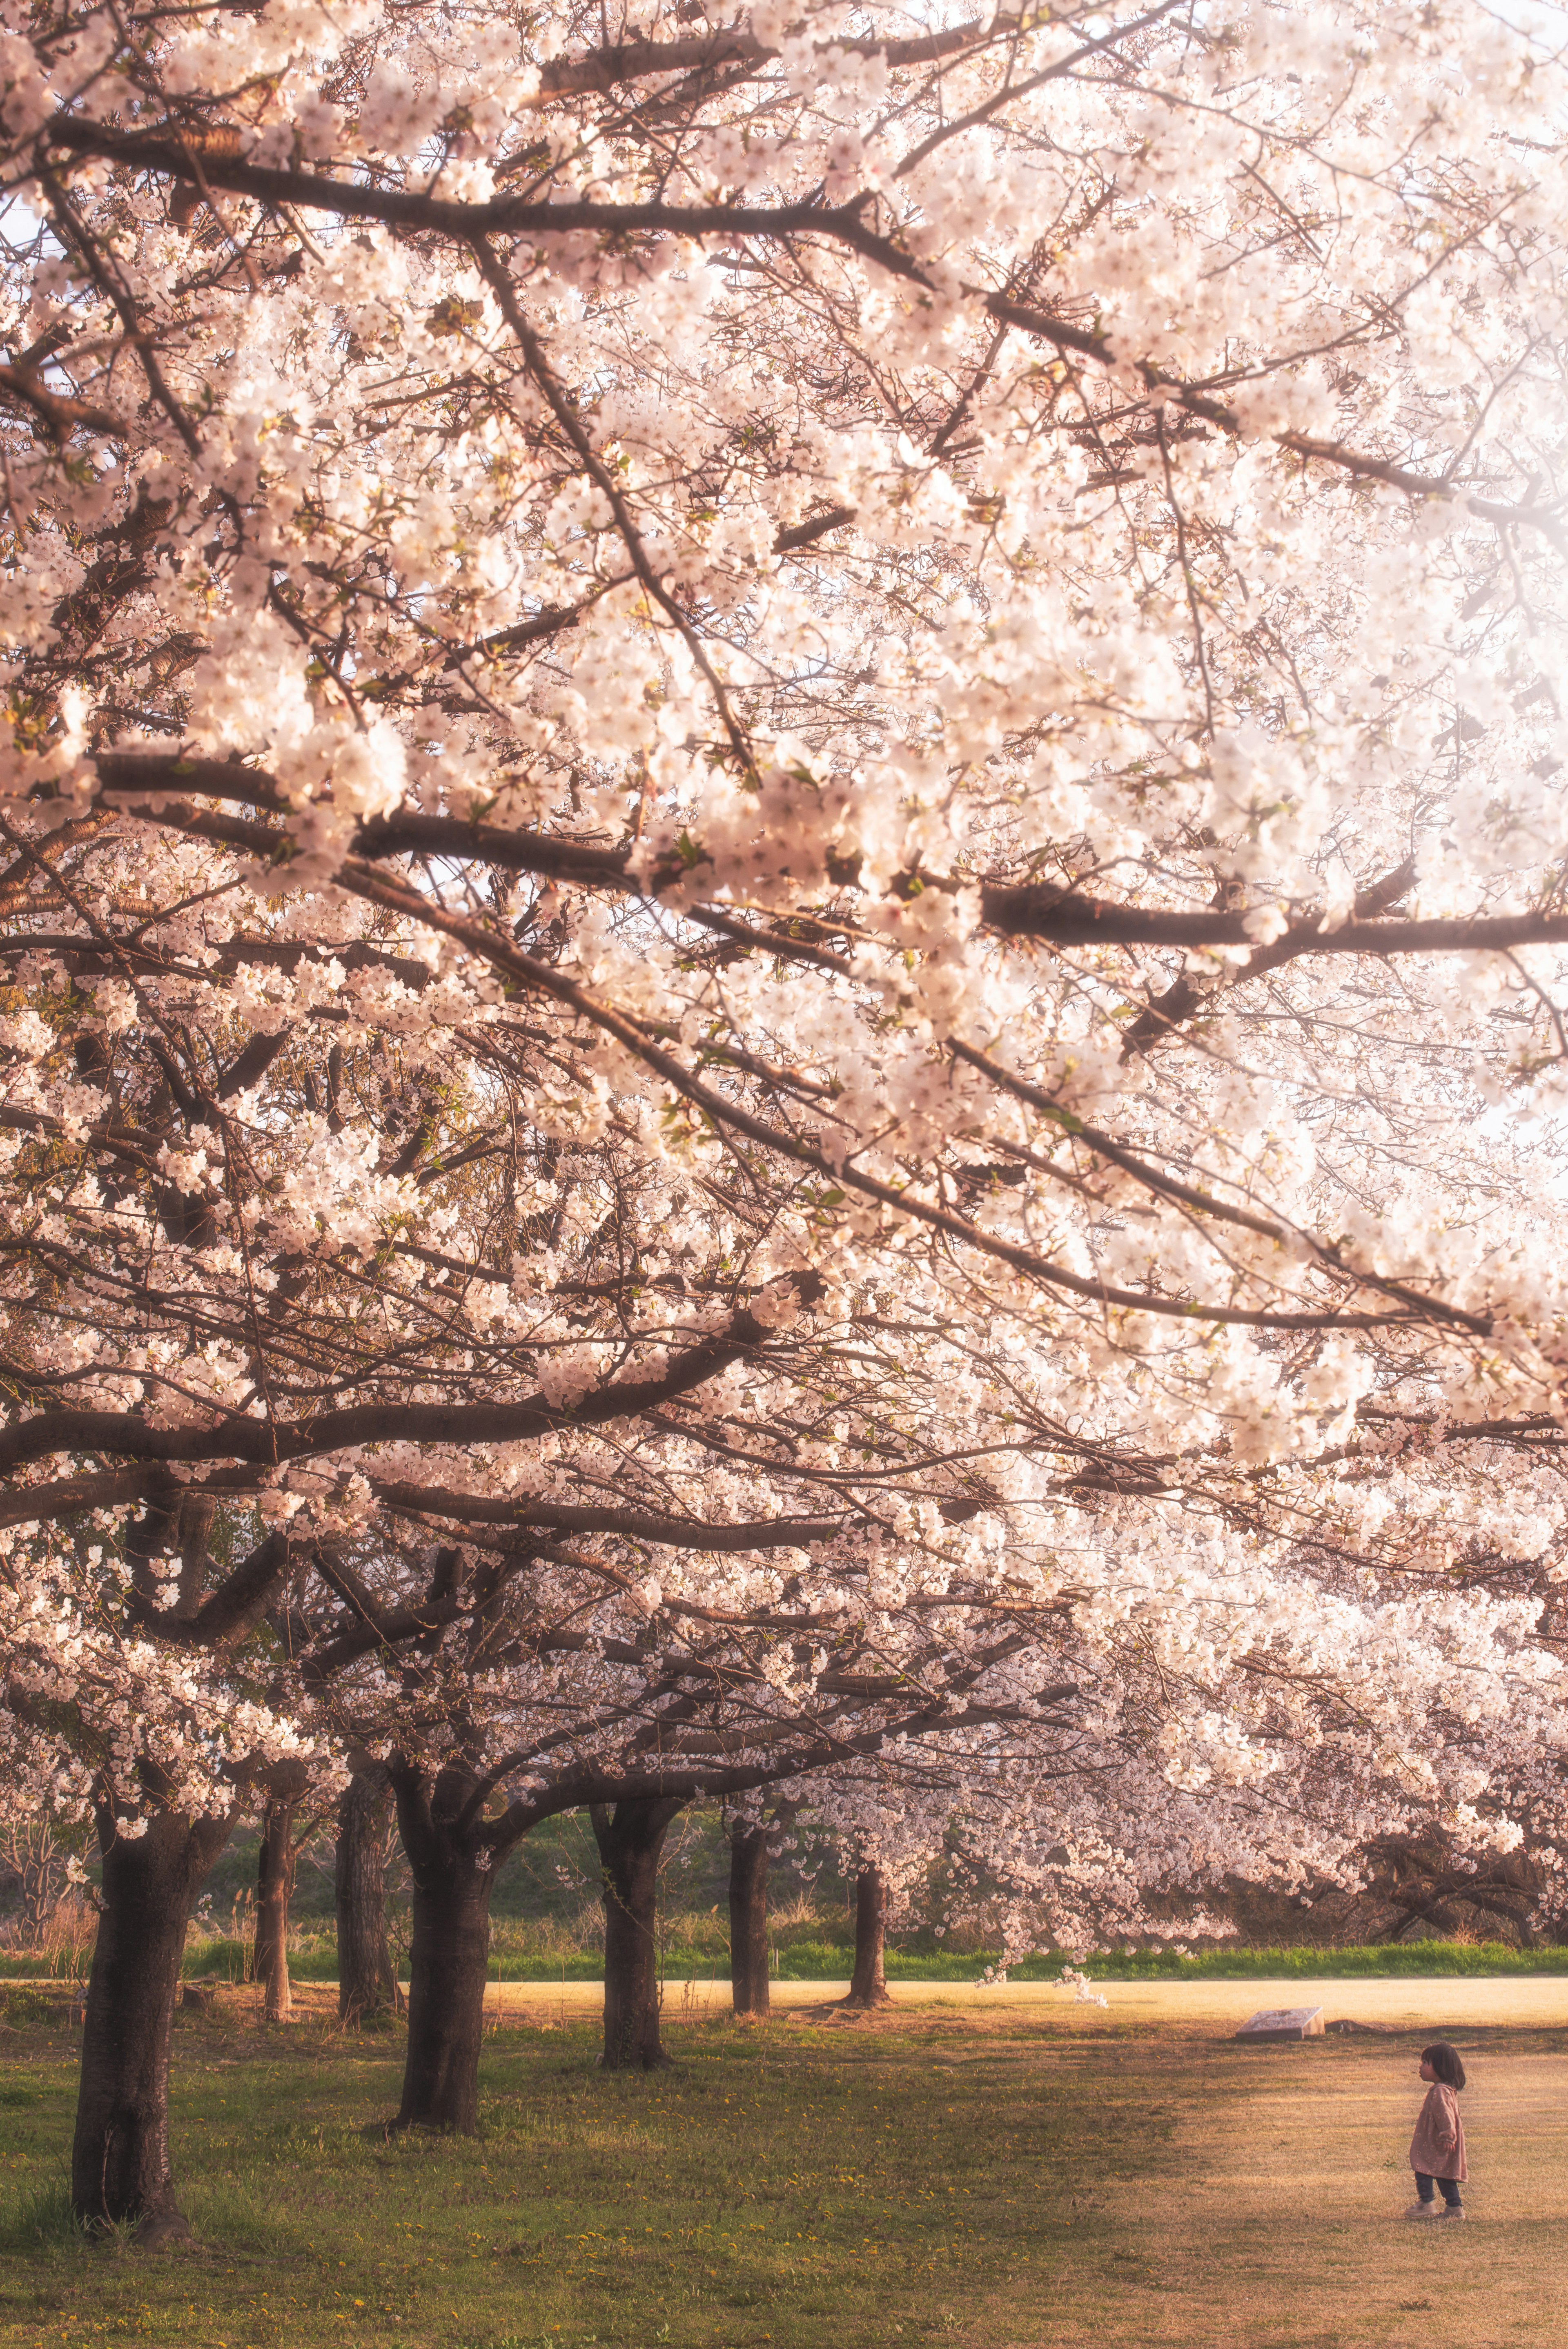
[(1445, 2062)]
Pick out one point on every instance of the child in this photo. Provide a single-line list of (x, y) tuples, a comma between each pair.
[(1438, 2148)]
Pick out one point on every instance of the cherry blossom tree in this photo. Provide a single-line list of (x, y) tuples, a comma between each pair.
[(877, 502), (796, 771), (157, 1740)]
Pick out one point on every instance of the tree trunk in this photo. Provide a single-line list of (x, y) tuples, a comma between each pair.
[(448, 1960), (275, 1887), (630, 1841), (366, 1987), (869, 1987), (749, 1920), (121, 2169), (197, 1511)]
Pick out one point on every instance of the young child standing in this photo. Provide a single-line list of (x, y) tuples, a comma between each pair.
[(1438, 2148)]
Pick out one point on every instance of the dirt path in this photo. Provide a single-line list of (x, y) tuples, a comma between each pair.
[(1441, 2004)]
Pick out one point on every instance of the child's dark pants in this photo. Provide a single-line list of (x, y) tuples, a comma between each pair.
[(1451, 2187)]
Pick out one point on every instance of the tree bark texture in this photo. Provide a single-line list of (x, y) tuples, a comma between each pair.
[(448, 1959), (275, 1890), (367, 1986), (453, 1874), (120, 2169), (631, 1838), (869, 1986), (749, 1919)]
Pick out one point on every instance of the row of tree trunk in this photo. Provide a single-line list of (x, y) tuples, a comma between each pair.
[(120, 2163), (748, 1928), (366, 1985)]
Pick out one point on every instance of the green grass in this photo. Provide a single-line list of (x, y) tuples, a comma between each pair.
[(950, 2173), (313, 1958), (1395, 1960), (789, 2188), (1224, 1964), (830, 1961)]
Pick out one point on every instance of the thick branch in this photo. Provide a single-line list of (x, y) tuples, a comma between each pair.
[(127, 1436), (632, 1525), (529, 217), (1057, 917), (232, 1611), (633, 60), (59, 413)]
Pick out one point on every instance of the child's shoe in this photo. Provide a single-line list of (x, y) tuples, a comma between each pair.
[(1452, 2211), (1422, 2211)]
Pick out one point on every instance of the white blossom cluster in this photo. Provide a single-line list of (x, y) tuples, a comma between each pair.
[(782, 839)]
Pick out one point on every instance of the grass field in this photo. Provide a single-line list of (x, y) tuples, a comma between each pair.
[(993, 2171), (822, 1962), (698, 1948)]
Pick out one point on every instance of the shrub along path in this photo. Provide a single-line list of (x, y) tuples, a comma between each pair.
[(1007, 2180)]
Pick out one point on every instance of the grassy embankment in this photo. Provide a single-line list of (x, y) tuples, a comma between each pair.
[(818, 1960), (528, 1954), (1023, 2180)]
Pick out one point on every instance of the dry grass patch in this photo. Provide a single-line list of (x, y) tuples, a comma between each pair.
[(1275, 2223)]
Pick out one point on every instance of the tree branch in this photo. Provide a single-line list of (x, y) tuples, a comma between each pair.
[(128, 1436)]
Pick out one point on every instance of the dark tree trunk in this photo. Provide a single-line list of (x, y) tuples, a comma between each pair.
[(869, 1986), (749, 1919), (453, 1855), (629, 1840), (119, 2160), (366, 1987), (448, 1959), (197, 1511), (275, 1890)]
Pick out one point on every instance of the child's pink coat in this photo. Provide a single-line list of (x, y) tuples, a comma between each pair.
[(1438, 2148)]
